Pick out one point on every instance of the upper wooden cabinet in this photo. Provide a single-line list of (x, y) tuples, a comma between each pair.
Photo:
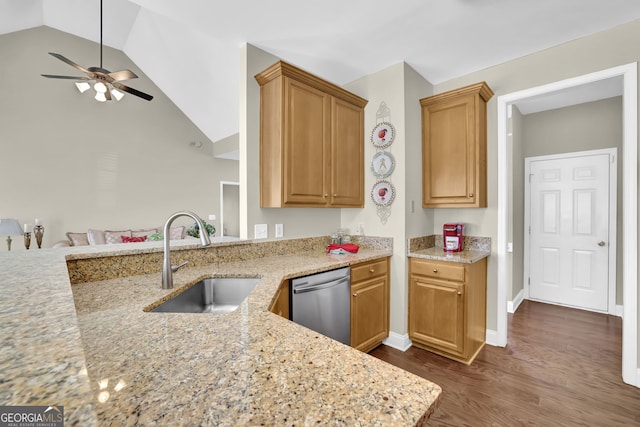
[(311, 141), (454, 148)]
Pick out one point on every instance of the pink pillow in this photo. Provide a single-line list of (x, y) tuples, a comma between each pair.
[(127, 239)]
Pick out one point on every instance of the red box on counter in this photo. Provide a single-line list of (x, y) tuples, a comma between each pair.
[(453, 237)]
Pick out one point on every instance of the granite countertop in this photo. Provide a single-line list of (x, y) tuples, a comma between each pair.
[(430, 247), (92, 348)]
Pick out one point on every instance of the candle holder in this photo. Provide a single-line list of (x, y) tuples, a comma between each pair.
[(38, 230), (27, 239)]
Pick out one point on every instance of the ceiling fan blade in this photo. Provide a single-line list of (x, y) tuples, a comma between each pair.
[(52, 76), (132, 91), (107, 95), (122, 75), (70, 62)]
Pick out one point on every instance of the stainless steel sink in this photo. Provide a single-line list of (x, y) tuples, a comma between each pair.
[(215, 295)]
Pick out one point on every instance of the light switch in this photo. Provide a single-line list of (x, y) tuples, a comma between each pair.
[(260, 231), (279, 230), (212, 217), (510, 247)]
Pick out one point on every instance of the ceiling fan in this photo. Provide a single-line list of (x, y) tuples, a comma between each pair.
[(107, 84)]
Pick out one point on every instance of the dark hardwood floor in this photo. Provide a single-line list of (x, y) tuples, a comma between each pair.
[(561, 367)]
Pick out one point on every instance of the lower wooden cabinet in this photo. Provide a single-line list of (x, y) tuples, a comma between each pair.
[(447, 307), (369, 304)]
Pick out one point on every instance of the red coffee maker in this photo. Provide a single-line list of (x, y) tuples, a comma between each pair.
[(453, 237)]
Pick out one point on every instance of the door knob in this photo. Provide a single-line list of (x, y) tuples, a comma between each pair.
[(601, 243)]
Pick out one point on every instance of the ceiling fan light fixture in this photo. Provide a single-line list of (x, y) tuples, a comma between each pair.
[(117, 94), (83, 86), (100, 87), (105, 81)]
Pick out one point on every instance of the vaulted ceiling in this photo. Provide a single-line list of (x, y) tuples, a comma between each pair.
[(191, 48)]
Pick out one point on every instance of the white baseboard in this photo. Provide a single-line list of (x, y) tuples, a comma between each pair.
[(512, 306), (492, 338), (619, 311), (397, 341)]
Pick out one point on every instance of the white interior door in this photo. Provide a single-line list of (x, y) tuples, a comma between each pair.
[(569, 241)]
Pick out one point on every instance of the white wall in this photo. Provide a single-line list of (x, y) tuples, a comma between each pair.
[(400, 87), (77, 163), (388, 86)]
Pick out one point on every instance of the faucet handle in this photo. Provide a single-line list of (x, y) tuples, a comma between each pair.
[(175, 268)]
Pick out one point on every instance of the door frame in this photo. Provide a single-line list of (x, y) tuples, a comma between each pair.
[(629, 74), (613, 202)]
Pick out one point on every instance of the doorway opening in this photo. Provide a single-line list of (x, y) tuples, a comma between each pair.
[(229, 209), (627, 74)]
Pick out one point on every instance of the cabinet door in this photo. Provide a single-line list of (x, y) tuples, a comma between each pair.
[(436, 314), (369, 313), (449, 152), (306, 145), (347, 154)]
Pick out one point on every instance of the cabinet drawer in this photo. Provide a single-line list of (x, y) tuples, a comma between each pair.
[(438, 270), (368, 270)]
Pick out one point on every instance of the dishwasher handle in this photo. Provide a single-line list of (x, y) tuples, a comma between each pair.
[(305, 287)]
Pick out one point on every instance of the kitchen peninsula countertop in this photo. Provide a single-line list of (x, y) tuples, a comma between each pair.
[(108, 362)]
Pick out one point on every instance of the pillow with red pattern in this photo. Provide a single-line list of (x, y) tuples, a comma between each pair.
[(127, 239)]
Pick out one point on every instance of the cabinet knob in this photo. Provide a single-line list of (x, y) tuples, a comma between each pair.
[(326, 195), (435, 270), (372, 270), (459, 292), (470, 194), (355, 295), (335, 194)]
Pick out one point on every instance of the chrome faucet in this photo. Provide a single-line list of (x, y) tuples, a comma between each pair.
[(167, 268)]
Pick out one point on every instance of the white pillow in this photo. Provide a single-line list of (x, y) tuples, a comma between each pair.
[(96, 237)]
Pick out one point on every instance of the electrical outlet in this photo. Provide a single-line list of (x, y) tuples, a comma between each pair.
[(360, 229), (279, 232), (260, 231), (212, 217)]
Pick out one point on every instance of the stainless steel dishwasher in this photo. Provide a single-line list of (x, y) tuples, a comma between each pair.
[(322, 302)]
